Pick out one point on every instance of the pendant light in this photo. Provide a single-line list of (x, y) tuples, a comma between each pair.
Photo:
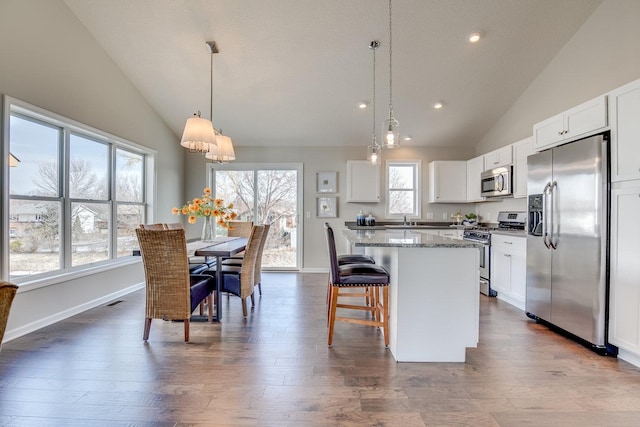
[(374, 150), (222, 151), (199, 135), (391, 127)]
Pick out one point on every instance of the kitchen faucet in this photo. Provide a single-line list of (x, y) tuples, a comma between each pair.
[(404, 219)]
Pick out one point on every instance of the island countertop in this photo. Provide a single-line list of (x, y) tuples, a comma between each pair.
[(404, 239)]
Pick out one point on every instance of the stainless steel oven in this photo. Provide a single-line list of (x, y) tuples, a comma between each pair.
[(482, 236)]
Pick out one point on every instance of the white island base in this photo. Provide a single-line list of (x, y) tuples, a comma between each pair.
[(434, 301)]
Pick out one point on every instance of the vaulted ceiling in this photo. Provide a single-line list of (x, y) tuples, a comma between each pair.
[(292, 72)]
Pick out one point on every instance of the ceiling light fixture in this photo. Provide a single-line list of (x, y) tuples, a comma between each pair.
[(199, 135), (407, 138), (438, 105), (362, 105), (474, 37), (222, 151), (391, 127), (374, 150)]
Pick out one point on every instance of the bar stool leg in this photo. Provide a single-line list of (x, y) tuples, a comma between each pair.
[(332, 312)]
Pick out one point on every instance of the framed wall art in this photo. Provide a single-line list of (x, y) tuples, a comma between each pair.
[(326, 207), (326, 182)]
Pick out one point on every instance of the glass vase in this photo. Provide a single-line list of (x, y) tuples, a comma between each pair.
[(208, 229)]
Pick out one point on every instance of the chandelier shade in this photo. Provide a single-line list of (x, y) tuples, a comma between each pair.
[(198, 135), (223, 151), (374, 151)]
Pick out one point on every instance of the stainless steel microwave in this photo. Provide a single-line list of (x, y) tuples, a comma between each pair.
[(497, 182)]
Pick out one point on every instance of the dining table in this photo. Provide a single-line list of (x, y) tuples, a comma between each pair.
[(220, 248)]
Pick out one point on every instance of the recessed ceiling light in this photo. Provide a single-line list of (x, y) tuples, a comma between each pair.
[(473, 37), (406, 138), (438, 105), (362, 105)]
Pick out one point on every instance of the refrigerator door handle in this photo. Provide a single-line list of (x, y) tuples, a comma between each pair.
[(545, 217), (552, 210)]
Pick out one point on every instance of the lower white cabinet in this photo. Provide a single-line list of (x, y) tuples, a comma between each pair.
[(624, 299), (509, 268)]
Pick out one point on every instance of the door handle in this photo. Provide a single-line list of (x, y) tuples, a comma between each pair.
[(545, 217), (552, 209)]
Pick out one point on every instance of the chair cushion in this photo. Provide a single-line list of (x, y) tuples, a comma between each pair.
[(201, 287), (197, 268), (233, 261), (355, 259), (362, 274)]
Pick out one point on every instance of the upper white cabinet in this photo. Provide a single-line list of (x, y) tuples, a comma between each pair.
[(577, 121), (448, 181), (363, 181), (475, 167), (624, 119), (497, 158), (521, 150)]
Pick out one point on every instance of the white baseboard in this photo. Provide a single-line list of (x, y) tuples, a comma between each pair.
[(627, 356), (50, 320)]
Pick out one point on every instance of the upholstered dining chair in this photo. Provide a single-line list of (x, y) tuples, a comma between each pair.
[(239, 228), (197, 264), (356, 281), (237, 260), (7, 293), (240, 280), (171, 292)]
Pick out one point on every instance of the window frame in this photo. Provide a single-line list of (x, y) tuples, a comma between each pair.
[(11, 106), (417, 177)]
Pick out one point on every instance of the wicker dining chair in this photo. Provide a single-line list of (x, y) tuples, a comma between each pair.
[(171, 292), (239, 228), (7, 293), (240, 280), (237, 260)]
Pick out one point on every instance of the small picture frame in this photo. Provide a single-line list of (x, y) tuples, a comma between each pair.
[(326, 182), (326, 207)]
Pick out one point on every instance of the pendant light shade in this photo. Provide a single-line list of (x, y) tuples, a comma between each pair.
[(198, 135), (390, 127), (223, 152), (374, 150)]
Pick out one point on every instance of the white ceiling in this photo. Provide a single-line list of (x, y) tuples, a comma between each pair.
[(291, 72)]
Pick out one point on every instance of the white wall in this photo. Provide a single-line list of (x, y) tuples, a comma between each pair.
[(48, 59), (601, 56), (317, 159)]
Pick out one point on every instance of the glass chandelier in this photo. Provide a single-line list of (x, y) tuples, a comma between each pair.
[(391, 127)]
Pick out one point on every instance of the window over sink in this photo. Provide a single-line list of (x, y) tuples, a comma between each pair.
[(403, 192)]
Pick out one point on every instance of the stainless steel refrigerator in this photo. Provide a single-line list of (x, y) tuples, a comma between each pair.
[(567, 238)]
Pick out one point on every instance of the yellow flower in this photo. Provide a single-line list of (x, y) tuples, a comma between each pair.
[(207, 206)]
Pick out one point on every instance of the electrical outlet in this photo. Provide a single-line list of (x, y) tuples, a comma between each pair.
[(429, 215), (444, 215), (308, 214)]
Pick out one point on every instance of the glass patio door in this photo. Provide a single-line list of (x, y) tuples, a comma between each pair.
[(266, 194)]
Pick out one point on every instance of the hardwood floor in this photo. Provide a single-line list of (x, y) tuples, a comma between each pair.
[(274, 369)]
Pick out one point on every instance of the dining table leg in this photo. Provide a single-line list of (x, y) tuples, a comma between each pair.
[(219, 280)]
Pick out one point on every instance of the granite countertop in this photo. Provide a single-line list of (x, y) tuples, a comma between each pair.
[(404, 239)]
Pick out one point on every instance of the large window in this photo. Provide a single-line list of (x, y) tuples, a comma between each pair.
[(266, 194), (75, 195), (403, 192)]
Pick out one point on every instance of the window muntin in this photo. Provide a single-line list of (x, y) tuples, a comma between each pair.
[(403, 195), (61, 195)]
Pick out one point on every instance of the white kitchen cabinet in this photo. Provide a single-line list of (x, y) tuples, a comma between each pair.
[(509, 268), (578, 121), (448, 181), (497, 158), (363, 181), (521, 150), (475, 167), (624, 119), (624, 298)]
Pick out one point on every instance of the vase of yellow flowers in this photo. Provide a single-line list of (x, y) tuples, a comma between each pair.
[(214, 211)]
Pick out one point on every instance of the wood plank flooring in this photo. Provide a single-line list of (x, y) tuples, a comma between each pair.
[(274, 369)]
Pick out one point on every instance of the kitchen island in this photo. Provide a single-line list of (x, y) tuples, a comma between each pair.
[(434, 293)]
